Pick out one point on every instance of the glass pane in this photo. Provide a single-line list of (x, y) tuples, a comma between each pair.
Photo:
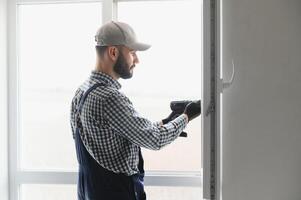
[(54, 192), (169, 70), (174, 193), (63, 192), (54, 39)]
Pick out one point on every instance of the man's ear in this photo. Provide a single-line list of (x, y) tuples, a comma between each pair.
[(113, 53)]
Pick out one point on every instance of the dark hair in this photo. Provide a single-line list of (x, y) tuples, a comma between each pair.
[(101, 50)]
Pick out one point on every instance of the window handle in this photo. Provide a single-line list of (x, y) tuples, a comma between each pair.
[(227, 84)]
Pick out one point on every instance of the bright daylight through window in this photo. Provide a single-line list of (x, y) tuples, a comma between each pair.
[(169, 70), (56, 53)]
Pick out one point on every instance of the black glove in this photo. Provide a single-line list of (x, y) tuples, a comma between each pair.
[(171, 117), (193, 109)]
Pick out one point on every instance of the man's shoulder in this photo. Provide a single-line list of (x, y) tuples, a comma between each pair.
[(103, 90)]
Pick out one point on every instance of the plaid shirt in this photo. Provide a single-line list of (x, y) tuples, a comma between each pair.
[(112, 130)]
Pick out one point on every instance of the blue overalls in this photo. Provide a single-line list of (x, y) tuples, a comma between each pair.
[(98, 183)]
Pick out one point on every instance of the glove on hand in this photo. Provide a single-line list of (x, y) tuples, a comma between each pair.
[(193, 109), (171, 117)]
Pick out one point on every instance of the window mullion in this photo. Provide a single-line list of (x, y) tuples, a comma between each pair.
[(187, 179), (109, 10), (12, 99), (152, 178)]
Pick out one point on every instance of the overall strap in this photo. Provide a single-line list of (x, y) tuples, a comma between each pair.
[(86, 93), (82, 154)]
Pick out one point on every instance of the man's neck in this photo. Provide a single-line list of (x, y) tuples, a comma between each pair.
[(107, 71)]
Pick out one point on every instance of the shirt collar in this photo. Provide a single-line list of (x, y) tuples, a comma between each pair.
[(101, 77)]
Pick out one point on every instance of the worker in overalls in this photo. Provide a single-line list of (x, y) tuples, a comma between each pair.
[(107, 129)]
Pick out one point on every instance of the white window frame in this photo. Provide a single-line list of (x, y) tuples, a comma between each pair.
[(3, 103), (18, 177)]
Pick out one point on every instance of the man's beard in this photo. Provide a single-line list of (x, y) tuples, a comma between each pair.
[(122, 68)]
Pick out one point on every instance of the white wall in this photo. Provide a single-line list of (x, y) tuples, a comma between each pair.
[(3, 104), (262, 110)]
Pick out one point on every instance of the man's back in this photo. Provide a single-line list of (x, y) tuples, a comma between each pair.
[(106, 146), (94, 181)]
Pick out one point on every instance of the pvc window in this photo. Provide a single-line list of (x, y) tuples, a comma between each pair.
[(51, 49)]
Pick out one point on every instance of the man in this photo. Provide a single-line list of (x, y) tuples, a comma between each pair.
[(108, 131)]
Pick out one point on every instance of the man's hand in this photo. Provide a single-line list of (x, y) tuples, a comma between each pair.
[(193, 109)]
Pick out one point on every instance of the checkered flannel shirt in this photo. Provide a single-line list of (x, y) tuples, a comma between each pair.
[(112, 130)]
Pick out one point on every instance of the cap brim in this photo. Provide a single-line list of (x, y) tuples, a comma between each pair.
[(139, 46)]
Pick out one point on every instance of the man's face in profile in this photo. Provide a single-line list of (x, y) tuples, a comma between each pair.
[(125, 63)]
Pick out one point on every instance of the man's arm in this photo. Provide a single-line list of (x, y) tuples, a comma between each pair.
[(126, 121)]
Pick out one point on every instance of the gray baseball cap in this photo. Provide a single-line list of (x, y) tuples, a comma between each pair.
[(119, 33)]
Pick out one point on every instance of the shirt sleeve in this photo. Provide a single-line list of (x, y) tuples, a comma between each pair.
[(159, 123), (126, 121), (74, 104)]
